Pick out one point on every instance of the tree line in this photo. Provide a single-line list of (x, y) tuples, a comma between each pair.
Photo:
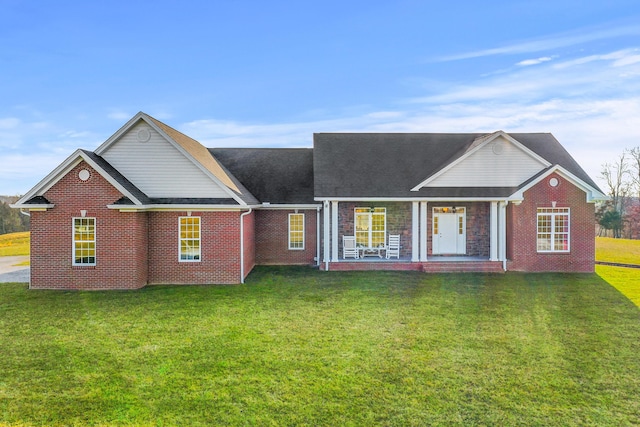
[(11, 220), (620, 215)]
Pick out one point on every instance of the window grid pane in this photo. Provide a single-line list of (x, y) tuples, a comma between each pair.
[(189, 238), (296, 231), (84, 241), (553, 230), (370, 226)]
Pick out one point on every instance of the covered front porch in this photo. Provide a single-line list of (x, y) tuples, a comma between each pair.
[(435, 235)]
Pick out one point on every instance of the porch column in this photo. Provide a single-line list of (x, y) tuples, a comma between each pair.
[(493, 232), (423, 231), (415, 238), (502, 253), (334, 231), (325, 231)]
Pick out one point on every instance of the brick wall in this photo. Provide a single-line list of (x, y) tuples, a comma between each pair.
[(220, 249), (272, 238), (522, 230), (121, 238)]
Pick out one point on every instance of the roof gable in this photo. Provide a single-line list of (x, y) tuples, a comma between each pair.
[(165, 163), (125, 187), (593, 194), (493, 160)]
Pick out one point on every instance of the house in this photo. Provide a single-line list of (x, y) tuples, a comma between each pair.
[(153, 206)]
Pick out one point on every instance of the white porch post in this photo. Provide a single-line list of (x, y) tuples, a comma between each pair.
[(415, 230), (493, 244), (325, 232), (334, 231), (423, 231), (503, 234)]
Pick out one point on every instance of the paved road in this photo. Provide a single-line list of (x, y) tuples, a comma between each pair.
[(10, 273)]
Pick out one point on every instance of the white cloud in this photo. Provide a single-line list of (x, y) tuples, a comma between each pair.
[(119, 115), (529, 62), (555, 41), (9, 123)]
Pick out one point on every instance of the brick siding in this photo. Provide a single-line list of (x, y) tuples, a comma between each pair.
[(219, 245), (121, 238), (132, 248), (272, 238), (522, 230)]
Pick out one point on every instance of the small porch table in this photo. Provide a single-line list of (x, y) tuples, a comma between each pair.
[(371, 250)]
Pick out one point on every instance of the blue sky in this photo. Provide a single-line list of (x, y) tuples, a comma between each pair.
[(271, 73)]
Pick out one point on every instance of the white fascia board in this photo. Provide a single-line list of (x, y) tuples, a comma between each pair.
[(592, 194), (304, 206), (72, 161), (478, 147), (32, 207), (410, 199), (173, 208), (144, 117)]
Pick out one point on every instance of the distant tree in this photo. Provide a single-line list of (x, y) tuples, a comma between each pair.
[(11, 220), (612, 220), (634, 171), (616, 176)]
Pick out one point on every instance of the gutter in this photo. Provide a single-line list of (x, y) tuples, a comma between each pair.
[(242, 244)]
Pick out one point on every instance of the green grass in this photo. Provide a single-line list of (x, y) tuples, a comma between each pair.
[(299, 347), (624, 251), (13, 244), (626, 280)]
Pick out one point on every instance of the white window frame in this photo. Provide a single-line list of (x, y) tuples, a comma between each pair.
[(195, 257), (296, 248), (77, 253), (553, 214)]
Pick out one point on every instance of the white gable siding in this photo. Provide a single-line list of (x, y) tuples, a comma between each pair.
[(157, 168), (497, 164)]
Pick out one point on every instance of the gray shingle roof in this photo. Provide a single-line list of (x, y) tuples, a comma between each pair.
[(118, 177), (390, 164), (274, 175)]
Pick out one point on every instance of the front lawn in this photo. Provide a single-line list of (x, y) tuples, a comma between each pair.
[(299, 347)]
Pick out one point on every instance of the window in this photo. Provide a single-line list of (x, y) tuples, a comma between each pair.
[(84, 241), (370, 226), (553, 229), (189, 238), (296, 231)]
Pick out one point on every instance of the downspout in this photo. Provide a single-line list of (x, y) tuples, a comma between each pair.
[(242, 244), (503, 234), (29, 215), (318, 236)]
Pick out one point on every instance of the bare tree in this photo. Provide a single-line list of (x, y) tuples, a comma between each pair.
[(634, 171), (616, 176)]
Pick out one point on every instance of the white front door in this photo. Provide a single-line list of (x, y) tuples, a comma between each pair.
[(449, 235)]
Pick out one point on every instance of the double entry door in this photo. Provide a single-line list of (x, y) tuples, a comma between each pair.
[(449, 231)]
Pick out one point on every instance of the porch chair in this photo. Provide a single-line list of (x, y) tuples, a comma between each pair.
[(349, 248), (393, 248)]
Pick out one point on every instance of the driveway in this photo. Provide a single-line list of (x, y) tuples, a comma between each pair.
[(9, 272)]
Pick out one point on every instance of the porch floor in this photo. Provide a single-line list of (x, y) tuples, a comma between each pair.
[(434, 264)]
